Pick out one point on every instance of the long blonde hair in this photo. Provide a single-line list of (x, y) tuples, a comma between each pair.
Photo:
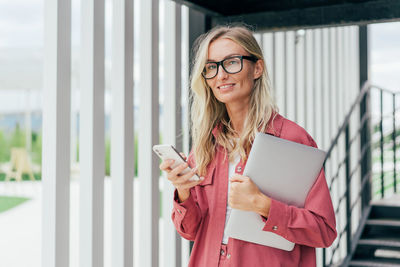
[(207, 112)]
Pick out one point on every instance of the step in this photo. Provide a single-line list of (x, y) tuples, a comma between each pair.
[(372, 263), (381, 211), (384, 222), (385, 228), (384, 243)]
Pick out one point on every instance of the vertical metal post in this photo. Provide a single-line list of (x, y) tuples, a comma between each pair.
[(172, 242), (305, 75), (324, 249), (56, 133), (199, 23), (91, 197), (285, 75), (381, 145), (394, 144), (149, 172), (366, 166), (348, 190), (122, 135)]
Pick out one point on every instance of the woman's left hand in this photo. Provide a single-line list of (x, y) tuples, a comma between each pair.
[(245, 195)]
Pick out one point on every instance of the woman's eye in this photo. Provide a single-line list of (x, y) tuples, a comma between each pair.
[(232, 62), (210, 67)]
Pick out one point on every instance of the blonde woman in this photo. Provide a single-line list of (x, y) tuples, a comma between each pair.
[(232, 102)]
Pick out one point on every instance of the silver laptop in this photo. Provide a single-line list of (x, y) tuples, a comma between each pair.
[(283, 170)]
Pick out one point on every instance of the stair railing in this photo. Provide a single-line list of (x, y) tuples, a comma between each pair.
[(352, 205)]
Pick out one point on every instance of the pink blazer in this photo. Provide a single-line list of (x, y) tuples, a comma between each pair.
[(201, 217)]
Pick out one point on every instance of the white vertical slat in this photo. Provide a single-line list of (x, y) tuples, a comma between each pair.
[(340, 72), (74, 136), (334, 108), (172, 132), (185, 107), (333, 84), (317, 86), (310, 82), (290, 91), (268, 51), (279, 70), (301, 103), (326, 102), (122, 135), (149, 134), (259, 38), (56, 133), (91, 147)]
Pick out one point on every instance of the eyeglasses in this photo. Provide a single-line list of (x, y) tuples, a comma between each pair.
[(230, 65)]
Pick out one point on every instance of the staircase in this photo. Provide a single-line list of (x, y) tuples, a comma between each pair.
[(368, 229), (379, 244)]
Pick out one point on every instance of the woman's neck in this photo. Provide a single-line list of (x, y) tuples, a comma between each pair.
[(237, 115)]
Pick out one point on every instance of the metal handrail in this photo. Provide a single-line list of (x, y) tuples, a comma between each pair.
[(344, 129)]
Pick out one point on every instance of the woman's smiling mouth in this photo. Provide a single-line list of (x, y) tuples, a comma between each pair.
[(225, 87)]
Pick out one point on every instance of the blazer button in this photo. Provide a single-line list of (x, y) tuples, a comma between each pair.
[(228, 256), (275, 228), (222, 252), (239, 169)]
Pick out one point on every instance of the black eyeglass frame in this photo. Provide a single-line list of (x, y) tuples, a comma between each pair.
[(220, 63)]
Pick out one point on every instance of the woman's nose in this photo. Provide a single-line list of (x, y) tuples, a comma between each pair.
[(222, 74)]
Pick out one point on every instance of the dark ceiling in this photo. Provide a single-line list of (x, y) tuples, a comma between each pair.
[(235, 7), (269, 14)]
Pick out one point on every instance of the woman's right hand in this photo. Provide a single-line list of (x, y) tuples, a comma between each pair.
[(180, 182)]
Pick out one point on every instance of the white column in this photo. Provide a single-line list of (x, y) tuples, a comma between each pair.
[(56, 133), (73, 128), (172, 132), (268, 51), (279, 70), (122, 136), (149, 171), (91, 200), (185, 106), (318, 88), (299, 85), (290, 90), (326, 101), (310, 88)]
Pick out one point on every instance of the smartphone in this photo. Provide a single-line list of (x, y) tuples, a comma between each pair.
[(166, 152)]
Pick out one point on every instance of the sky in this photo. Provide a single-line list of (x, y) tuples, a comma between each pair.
[(21, 33)]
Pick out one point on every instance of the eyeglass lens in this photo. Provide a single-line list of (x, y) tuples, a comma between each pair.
[(230, 65)]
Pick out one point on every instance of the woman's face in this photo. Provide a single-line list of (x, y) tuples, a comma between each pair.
[(232, 88)]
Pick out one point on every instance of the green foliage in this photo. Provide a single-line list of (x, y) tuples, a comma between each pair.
[(4, 148), (17, 139), (7, 202), (36, 148), (108, 155), (136, 154)]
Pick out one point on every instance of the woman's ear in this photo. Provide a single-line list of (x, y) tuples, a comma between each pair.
[(258, 69)]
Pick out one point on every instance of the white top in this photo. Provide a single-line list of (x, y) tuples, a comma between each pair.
[(231, 172)]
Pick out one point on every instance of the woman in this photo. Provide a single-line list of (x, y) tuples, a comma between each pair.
[(231, 102)]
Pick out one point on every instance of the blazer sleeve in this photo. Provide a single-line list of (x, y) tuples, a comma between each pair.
[(186, 216), (314, 225)]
